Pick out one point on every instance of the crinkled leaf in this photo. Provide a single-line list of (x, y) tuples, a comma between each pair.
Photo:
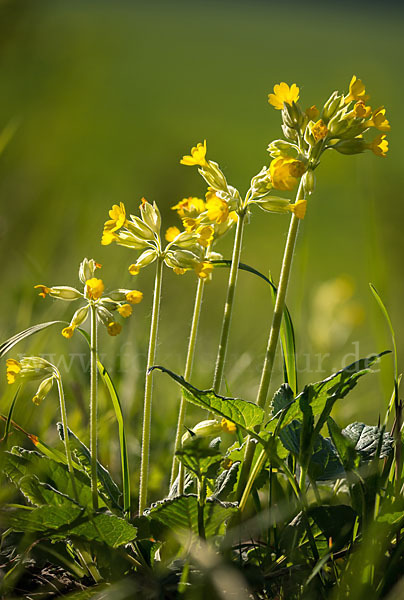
[(329, 390), (226, 482), (69, 520), (241, 412), (22, 465), (366, 439), (181, 514)]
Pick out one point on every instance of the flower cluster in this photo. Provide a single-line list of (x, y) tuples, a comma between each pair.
[(185, 249), (119, 300), (32, 368)]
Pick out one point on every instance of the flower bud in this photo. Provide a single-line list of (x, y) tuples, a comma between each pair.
[(352, 146), (289, 133), (139, 229), (334, 103), (309, 182), (151, 215), (146, 258), (185, 259), (214, 176), (43, 390), (87, 269), (130, 240), (292, 115), (62, 292), (273, 204), (282, 148), (203, 429)]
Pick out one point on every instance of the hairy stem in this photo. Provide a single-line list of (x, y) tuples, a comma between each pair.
[(144, 465), (187, 374), (273, 335), (66, 433), (93, 406)]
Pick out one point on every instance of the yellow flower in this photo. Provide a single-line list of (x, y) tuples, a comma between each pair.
[(190, 224), (134, 269), (283, 94), (134, 297), (67, 332), (114, 328), (44, 290), (379, 145), (95, 288), (179, 270), (203, 269), (125, 310), (361, 111), (197, 157), (117, 217), (217, 208), (319, 130), (284, 172), (108, 237), (312, 112), (205, 235), (299, 208), (172, 233), (13, 367), (228, 426), (379, 120), (189, 207), (356, 91)]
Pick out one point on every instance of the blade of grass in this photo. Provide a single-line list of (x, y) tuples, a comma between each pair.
[(9, 416)]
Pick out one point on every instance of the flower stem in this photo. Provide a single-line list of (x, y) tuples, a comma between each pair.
[(66, 433), (224, 338), (273, 335), (93, 406), (187, 374), (144, 465)]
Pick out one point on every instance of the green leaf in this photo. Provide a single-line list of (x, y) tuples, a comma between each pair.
[(226, 481), (181, 514), (306, 433), (20, 464), (323, 394), (106, 485), (8, 344), (69, 520), (344, 446), (121, 428), (368, 441), (241, 412), (200, 457), (10, 415)]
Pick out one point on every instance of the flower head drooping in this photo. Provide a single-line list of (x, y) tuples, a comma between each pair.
[(197, 157), (379, 145), (379, 120), (284, 172), (283, 94), (356, 91)]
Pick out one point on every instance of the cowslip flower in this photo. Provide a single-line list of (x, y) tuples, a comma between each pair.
[(189, 207), (94, 288), (197, 157), (379, 120), (361, 111), (172, 233), (356, 91), (117, 218), (379, 145), (217, 209), (204, 269), (319, 130), (284, 172), (283, 94)]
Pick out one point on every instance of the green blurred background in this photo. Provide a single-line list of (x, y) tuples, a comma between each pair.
[(107, 97)]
